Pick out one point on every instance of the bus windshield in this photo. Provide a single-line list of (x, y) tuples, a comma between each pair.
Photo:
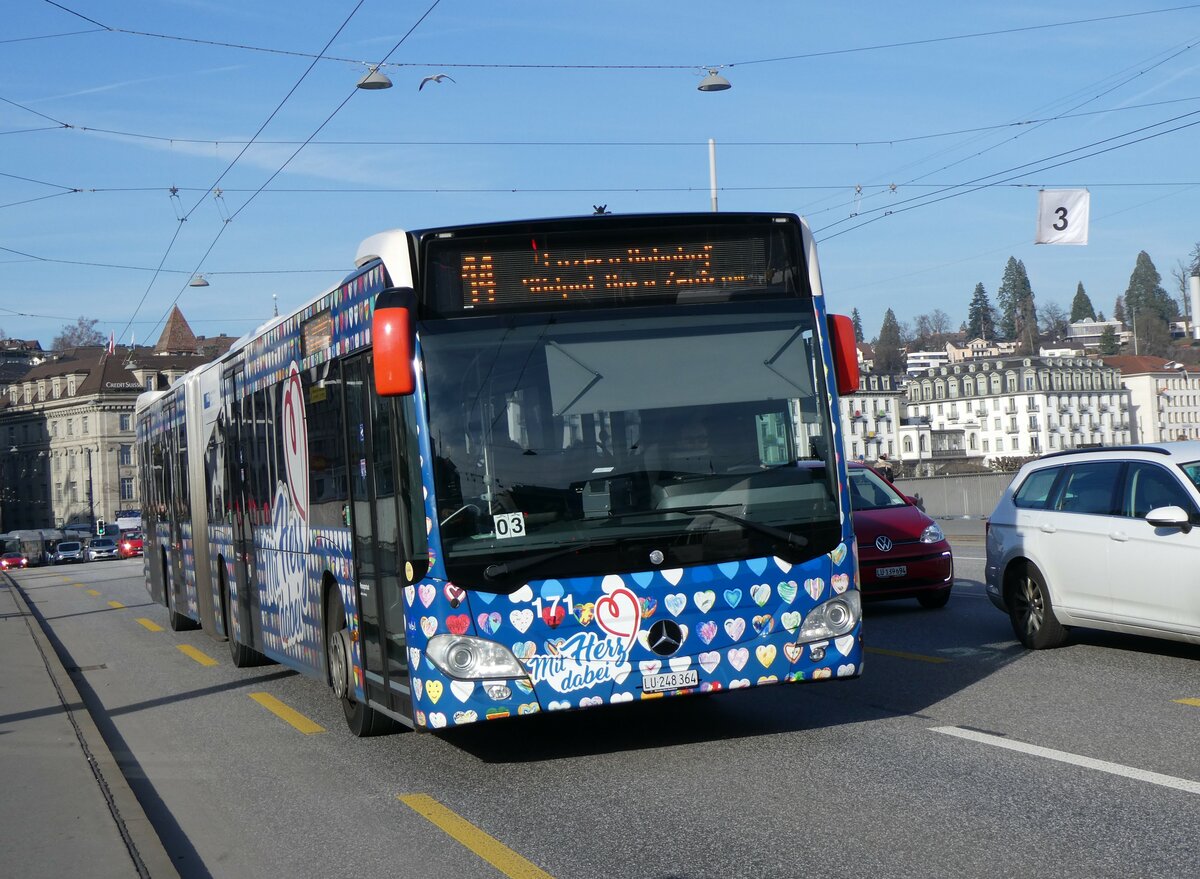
[(624, 439)]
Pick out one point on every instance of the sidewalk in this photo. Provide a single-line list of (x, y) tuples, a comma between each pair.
[(66, 808)]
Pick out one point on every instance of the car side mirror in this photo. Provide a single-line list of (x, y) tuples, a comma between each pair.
[(1170, 517)]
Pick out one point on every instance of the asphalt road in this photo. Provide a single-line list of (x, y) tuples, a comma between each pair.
[(957, 754)]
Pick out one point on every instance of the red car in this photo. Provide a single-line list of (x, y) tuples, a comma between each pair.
[(129, 545), (13, 560), (902, 553)]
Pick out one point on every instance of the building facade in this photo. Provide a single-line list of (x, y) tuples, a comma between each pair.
[(66, 425), (1164, 397), (1019, 406)]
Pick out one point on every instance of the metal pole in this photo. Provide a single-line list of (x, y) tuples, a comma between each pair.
[(712, 171)]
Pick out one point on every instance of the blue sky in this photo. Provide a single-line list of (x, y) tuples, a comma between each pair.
[(556, 107)]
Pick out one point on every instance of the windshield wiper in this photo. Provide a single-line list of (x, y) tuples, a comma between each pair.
[(788, 537), (501, 569)]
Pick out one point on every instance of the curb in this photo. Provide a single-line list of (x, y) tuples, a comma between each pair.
[(149, 857)]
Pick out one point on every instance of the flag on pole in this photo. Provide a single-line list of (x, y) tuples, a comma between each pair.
[(112, 344), (1063, 216)]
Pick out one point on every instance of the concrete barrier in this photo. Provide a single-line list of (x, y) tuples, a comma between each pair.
[(953, 497)]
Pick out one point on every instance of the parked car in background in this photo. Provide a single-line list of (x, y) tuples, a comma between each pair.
[(101, 548), (12, 560), (67, 551), (1105, 538), (129, 544), (902, 553)]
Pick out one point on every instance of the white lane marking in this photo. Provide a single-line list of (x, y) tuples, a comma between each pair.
[(969, 558), (1180, 784)]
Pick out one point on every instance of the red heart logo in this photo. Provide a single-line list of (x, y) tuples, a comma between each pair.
[(458, 624), (553, 615), (454, 594), (619, 613)]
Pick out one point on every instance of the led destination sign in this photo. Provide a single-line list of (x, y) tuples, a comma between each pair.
[(589, 273)]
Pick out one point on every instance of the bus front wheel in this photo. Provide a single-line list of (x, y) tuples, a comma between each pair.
[(361, 718)]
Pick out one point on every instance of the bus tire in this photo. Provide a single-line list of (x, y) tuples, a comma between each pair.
[(241, 655), (362, 719)]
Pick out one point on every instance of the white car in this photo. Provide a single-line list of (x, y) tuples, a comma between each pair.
[(1104, 538), (101, 548)]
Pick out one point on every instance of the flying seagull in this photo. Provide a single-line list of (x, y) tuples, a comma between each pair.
[(437, 77)]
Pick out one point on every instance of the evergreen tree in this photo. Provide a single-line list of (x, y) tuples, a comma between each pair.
[(856, 319), (889, 352), (1081, 306), (1119, 310), (981, 317), (1151, 308), (1026, 327), (1014, 290), (1108, 341)]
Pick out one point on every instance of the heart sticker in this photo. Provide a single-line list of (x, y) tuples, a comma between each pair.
[(760, 593), (489, 623), (765, 654), (521, 619), (705, 600), (738, 657), (458, 623), (672, 575), (708, 631), (709, 661), (735, 628), (462, 690), (619, 614), (675, 603), (434, 690), (782, 565)]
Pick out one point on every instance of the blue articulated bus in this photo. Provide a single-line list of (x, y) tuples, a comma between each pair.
[(519, 467)]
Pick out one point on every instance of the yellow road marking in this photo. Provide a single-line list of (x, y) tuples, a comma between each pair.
[(292, 716), (900, 654), (116, 604), (199, 655), (150, 624), (1195, 702), (93, 592), (459, 828)]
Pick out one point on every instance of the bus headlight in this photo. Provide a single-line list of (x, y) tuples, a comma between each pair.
[(835, 617), (470, 659)]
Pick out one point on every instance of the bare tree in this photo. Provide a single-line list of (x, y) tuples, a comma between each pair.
[(1054, 321), (81, 334)]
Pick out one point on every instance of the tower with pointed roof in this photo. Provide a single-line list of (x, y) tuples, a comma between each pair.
[(177, 337)]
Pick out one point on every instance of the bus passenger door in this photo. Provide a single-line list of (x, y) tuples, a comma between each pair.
[(376, 526)]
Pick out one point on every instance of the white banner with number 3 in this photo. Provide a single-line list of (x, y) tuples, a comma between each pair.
[(1063, 216)]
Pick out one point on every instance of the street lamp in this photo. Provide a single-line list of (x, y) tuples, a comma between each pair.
[(714, 82)]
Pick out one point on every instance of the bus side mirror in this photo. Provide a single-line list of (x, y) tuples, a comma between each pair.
[(845, 352), (393, 337)]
